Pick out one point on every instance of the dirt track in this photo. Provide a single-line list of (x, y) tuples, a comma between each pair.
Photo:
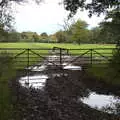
[(58, 101)]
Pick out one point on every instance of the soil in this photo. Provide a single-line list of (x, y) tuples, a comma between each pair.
[(58, 100)]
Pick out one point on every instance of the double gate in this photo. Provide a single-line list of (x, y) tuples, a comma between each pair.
[(24, 58), (27, 59)]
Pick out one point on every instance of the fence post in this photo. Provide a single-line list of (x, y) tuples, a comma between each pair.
[(60, 57), (91, 55), (28, 64)]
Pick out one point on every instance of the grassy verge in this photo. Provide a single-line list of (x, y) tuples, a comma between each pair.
[(7, 72), (105, 73)]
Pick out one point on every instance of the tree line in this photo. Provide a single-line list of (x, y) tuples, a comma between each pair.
[(77, 32)]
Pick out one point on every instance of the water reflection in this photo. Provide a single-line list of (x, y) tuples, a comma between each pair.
[(100, 101), (35, 81), (39, 68), (72, 67)]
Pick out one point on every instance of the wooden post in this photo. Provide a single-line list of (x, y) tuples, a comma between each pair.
[(60, 57), (91, 55), (28, 65)]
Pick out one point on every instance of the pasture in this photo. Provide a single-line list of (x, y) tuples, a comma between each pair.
[(51, 45), (101, 48), (42, 49)]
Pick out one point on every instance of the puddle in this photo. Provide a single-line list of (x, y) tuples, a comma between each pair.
[(39, 68), (35, 81), (59, 74), (38, 81), (100, 101), (72, 67)]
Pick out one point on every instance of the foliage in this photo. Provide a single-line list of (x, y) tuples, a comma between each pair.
[(60, 36), (13, 37), (29, 37), (95, 35), (93, 6), (9, 36), (111, 32), (35, 37), (6, 73), (115, 62), (3, 34), (111, 26), (44, 37), (79, 32), (6, 16)]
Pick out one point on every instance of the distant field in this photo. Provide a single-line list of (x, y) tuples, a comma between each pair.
[(47, 45)]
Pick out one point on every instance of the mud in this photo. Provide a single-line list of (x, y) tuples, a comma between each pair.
[(59, 99)]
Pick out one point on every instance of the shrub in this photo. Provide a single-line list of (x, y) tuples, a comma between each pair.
[(6, 73), (115, 62)]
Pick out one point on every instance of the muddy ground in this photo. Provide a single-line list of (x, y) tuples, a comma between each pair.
[(58, 100)]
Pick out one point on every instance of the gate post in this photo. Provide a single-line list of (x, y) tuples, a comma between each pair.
[(91, 55), (28, 64), (60, 57)]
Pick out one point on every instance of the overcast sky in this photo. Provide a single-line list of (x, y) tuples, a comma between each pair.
[(46, 17)]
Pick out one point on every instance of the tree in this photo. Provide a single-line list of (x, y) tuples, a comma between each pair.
[(95, 35), (53, 38), (79, 31), (44, 35), (3, 34), (6, 16), (35, 37), (111, 26), (30, 36), (60, 35), (14, 37), (93, 6)]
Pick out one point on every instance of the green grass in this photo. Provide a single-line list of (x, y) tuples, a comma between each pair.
[(6, 73), (22, 59), (47, 45), (105, 73), (67, 46)]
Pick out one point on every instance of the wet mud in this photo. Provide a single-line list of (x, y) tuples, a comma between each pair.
[(59, 98)]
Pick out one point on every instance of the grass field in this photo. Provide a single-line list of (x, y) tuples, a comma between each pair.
[(21, 60), (23, 57), (101, 47), (47, 45)]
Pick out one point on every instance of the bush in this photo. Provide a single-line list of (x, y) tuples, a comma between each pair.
[(115, 62), (6, 73), (114, 67)]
